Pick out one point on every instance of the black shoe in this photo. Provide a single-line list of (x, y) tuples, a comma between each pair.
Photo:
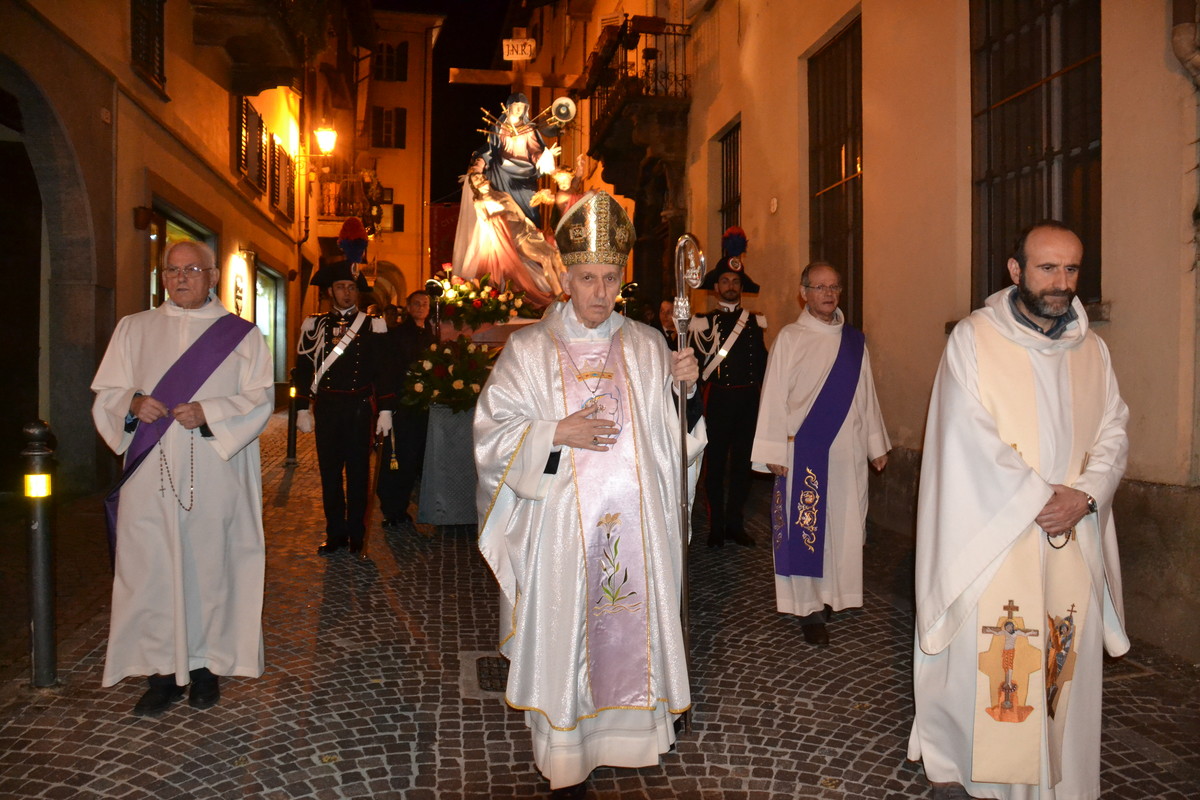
[(357, 549), (157, 699), (205, 691), (330, 547), (816, 633), (950, 791), (576, 792), (738, 535)]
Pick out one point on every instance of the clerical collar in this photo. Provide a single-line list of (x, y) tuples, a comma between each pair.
[(1057, 328), (727, 306)]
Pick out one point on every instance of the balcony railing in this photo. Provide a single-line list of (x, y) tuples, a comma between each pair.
[(642, 58)]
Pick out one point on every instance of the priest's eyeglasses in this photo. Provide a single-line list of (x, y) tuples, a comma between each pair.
[(823, 289), (190, 270)]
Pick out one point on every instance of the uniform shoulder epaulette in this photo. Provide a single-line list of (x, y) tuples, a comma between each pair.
[(760, 317), (309, 323), (378, 324)]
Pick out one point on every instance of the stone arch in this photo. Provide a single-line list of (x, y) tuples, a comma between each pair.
[(71, 154)]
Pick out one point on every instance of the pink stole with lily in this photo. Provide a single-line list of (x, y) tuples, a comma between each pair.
[(610, 520)]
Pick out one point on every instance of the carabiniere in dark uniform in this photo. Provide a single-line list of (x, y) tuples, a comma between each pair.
[(731, 395), (355, 386)]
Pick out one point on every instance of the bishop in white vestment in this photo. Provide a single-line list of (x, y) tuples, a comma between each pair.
[(1018, 582), (188, 582), (577, 444), (799, 365)]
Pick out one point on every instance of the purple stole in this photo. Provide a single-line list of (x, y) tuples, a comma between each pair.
[(610, 511), (800, 542), (178, 385)]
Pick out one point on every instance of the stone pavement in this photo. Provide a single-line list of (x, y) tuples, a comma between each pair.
[(381, 679)]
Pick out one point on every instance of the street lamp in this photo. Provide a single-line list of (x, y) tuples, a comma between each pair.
[(326, 138)]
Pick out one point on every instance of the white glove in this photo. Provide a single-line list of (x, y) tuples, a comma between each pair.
[(384, 425), (304, 421)]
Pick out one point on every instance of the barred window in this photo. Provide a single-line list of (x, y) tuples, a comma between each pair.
[(1035, 96), (146, 29), (731, 177), (835, 168), (390, 62), (252, 145), (388, 127)]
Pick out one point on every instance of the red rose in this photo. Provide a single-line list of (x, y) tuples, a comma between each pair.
[(440, 371), (477, 303)]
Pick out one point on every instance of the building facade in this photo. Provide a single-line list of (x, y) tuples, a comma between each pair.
[(127, 126), (908, 143)]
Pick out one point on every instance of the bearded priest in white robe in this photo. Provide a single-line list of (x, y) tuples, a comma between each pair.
[(798, 369), (1018, 583), (189, 559), (577, 444)]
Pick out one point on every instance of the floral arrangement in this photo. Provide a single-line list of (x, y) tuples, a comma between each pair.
[(476, 302), (449, 373)]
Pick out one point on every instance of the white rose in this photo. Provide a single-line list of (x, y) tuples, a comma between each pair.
[(426, 365), (432, 349), (512, 312), (517, 302), (472, 295), (474, 387), (418, 387), (457, 384), (450, 369), (446, 351), (450, 295), (483, 348), (435, 393), (470, 348)]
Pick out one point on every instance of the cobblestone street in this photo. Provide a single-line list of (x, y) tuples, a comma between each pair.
[(382, 681)]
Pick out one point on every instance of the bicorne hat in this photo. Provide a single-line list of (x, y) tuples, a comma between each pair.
[(729, 264), (330, 274), (595, 230)]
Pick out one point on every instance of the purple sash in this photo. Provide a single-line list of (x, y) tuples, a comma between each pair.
[(177, 385), (800, 546)]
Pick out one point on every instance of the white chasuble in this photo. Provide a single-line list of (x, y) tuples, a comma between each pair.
[(586, 545), (1011, 625)]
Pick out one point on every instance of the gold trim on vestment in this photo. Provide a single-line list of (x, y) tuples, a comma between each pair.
[(658, 701)]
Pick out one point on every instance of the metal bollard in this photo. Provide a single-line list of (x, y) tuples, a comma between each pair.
[(39, 457), (291, 459)]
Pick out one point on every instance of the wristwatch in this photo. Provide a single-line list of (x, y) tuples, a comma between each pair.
[(1092, 507)]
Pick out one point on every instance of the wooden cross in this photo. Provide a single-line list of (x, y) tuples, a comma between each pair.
[(1010, 608), (517, 78)]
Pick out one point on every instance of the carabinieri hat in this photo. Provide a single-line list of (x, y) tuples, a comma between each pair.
[(595, 230), (733, 244), (330, 274)]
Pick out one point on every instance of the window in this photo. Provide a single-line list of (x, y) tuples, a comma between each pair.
[(731, 177), (392, 219), (388, 126), (390, 62), (835, 162), (1035, 95), (270, 315), (283, 181), (252, 146), (146, 34)]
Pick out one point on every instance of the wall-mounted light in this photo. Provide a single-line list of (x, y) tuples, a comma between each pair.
[(326, 138)]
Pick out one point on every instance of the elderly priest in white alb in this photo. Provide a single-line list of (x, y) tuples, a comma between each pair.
[(1018, 585), (183, 392), (819, 426), (577, 441)]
